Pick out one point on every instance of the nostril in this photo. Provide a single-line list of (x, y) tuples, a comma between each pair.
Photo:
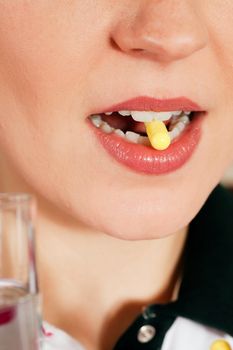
[(126, 48), (137, 50)]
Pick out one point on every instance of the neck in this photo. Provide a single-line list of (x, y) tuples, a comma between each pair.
[(96, 281), (94, 285)]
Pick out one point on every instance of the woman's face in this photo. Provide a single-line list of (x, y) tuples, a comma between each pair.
[(61, 61)]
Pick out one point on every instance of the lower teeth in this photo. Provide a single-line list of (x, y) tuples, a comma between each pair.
[(177, 126)]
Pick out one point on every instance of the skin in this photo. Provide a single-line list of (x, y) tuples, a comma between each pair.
[(59, 63)]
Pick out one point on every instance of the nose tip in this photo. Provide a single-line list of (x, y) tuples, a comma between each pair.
[(164, 48), (161, 33)]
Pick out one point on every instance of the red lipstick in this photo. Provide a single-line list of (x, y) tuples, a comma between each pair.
[(145, 159), (145, 103)]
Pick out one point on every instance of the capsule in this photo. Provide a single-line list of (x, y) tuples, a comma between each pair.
[(158, 134)]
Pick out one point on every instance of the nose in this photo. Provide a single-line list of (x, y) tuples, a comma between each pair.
[(168, 30)]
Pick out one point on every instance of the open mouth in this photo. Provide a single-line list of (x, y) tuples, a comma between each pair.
[(130, 125), (149, 135)]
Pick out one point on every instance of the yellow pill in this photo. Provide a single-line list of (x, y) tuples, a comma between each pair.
[(158, 134), (220, 344)]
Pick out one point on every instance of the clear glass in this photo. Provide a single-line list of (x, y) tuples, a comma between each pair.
[(20, 321)]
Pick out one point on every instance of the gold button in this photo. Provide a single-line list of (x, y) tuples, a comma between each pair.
[(220, 344)]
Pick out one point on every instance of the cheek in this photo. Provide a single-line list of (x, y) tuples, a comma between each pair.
[(44, 58), (219, 21)]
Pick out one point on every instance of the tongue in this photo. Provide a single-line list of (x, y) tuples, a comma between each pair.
[(124, 123), (139, 127)]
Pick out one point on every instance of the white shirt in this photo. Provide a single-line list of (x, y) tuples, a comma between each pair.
[(184, 334)]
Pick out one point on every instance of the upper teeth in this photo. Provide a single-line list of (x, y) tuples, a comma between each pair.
[(148, 116), (179, 122), (124, 113)]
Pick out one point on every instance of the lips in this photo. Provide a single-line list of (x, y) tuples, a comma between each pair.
[(145, 159), (145, 103)]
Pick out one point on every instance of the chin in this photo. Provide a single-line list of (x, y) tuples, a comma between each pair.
[(144, 230), (149, 212), (140, 223), (138, 231)]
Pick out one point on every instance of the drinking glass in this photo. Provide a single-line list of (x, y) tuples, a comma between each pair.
[(20, 321)]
